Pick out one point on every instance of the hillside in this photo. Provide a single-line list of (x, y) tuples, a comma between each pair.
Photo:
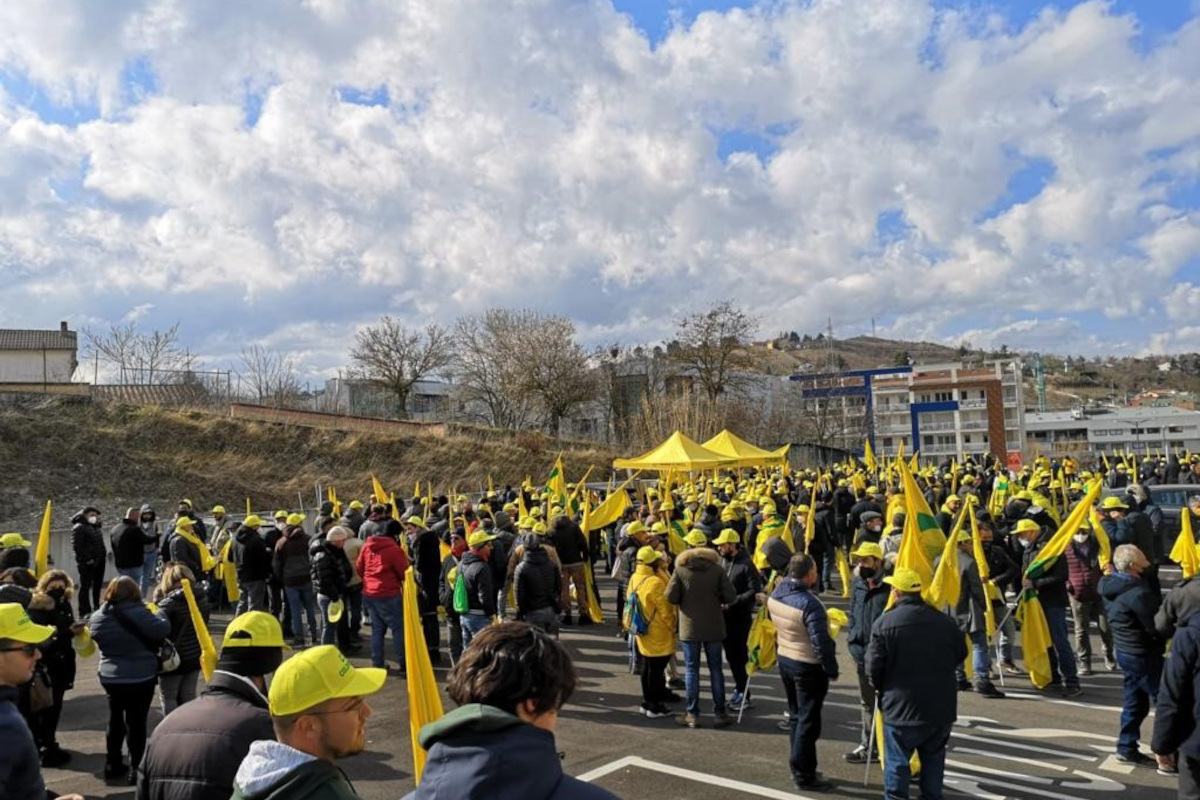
[(115, 456)]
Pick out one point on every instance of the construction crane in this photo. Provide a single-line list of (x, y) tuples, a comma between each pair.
[(1039, 378)]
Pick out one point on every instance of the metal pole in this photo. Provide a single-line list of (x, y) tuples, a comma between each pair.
[(871, 742), (745, 696)]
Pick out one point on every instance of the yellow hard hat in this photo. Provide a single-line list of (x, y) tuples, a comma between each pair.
[(479, 539), (252, 521), (868, 550), (1113, 504), (218, 509), (1027, 526), (356, 505)]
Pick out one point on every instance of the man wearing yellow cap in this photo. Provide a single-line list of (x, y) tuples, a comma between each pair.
[(739, 615), (868, 599), (253, 563), (319, 712), (476, 571), (201, 743), (911, 660), (20, 770)]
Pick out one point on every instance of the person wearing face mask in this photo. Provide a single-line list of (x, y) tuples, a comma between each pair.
[(196, 750), (739, 615), (1131, 603), (1051, 587), (449, 573), (1083, 580), (87, 541), (148, 521), (1002, 571), (51, 605), (868, 599), (128, 541), (872, 528)]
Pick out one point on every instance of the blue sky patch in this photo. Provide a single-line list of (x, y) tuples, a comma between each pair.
[(37, 100), (363, 97), (1023, 185)]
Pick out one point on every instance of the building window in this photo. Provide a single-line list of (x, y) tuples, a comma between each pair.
[(1175, 429), (887, 441), (944, 397)]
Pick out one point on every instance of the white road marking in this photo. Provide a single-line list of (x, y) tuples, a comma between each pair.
[(1029, 747), (687, 774)]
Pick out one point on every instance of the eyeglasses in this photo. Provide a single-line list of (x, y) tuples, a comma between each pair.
[(28, 649)]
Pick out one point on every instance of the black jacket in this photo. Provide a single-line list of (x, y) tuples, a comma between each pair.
[(249, 552), (1051, 585), (1131, 604), (87, 541), (537, 581), (184, 552), (866, 606), (59, 655), (1001, 569), (911, 659), (481, 588), (1175, 727), (331, 572), (20, 773), (427, 562), (128, 544), (197, 749), (747, 582), (291, 563), (854, 520), (174, 609), (445, 593), (567, 538), (1178, 606)]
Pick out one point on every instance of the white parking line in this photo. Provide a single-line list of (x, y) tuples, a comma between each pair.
[(691, 775)]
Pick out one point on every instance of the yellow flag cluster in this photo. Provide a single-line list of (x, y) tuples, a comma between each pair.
[(1183, 552), (424, 702)]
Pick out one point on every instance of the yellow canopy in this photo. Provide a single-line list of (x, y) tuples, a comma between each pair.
[(742, 453), (677, 453)]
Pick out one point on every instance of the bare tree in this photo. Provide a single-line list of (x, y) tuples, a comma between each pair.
[(270, 375), (713, 346), (159, 352), (395, 356), (487, 369), (138, 357), (117, 347), (555, 369)]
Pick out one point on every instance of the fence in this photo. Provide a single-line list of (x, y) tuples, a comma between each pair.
[(321, 419)]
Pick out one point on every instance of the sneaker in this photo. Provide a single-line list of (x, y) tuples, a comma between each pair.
[(784, 725), (1072, 691), (965, 686), (655, 712), (741, 703), (816, 783), (112, 771), (736, 700), (1137, 758), (1110, 665), (55, 756), (1085, 670), (688, 721), (722, 721), (856, 756), (989, 691), (1167, 770), (1010, 668), (586, 621)]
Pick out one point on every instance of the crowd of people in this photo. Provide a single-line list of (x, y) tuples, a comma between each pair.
[(730, 568)]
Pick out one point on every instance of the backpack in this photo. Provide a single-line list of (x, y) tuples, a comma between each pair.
[(634, 618), (462, 601)]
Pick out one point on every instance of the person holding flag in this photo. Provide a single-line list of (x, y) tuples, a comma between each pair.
[(179, 686), (971, 617)]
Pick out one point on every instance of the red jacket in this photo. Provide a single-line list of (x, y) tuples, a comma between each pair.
[(382, 564)]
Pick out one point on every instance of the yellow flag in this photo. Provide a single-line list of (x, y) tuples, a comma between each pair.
[(228, 572), (1102, 537), (1035, 639), (985, 572), (395, 511), (1184, 552), (208, 652), (424, 702), (42, 552), (610, 510), (843, 565), (381, 494), (593, 606), (946, 586), (249, 511), (869, 456)]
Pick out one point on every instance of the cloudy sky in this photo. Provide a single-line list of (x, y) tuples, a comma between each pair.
[(281, 172)]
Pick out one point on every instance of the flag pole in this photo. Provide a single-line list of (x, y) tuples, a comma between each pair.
[(871, 742)]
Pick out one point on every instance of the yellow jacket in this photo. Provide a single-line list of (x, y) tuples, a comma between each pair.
[(650, 586)]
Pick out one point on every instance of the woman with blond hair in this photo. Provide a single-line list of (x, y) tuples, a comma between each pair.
[(179, 686), (51, 605), (128, 637)]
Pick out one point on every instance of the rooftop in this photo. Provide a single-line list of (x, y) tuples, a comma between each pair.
[(61, 339)]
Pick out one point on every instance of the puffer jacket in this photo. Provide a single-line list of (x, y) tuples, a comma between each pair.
[(1175, 727), (331, 570), (124, 658), (868, 599), (1051, 585), (128, 544), (59, 655), (650, 586), (537, 581), (802, 626), (197, 748), (290, 562), (382, 565), (479, 752), (700, 587), (174, 609), (87, 541), (1178, 606), (1083, 569), (1131, 604)]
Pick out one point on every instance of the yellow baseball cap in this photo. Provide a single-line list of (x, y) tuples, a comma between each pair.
[(635, 527), (648, 555), (252, 521), (1027, 526), (295, 519), (15, 624), (479, 539), (868, 550), (415, 521), (316, 675), (218, 509), (728, 536), (254, 629), (538, 527), (658, 529), (14, 540), (184, 522), (1113, 504), (696, 538), (356, 505), (904, 580), (964, 535)]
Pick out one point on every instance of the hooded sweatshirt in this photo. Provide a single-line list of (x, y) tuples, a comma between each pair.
[(276, 771), (479, 752)]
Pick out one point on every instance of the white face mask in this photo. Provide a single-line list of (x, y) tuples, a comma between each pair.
[(93, 519), (1025, 543), (1081, 537)]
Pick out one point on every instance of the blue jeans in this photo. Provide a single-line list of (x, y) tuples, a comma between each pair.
[(981, 660), (334, 632), (1007, 627), (691, 660), (302, 602), (1141, 677), (899, 742), (471, 625), (131, 572), (149, 569), (386, 614), (1056, 620)]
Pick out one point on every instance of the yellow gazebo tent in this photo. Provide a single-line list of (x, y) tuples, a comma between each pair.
[(743, 454), (678, 453)]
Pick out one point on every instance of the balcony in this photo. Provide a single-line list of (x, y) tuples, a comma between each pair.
[(965, 405)]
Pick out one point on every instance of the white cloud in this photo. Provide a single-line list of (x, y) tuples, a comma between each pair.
[(544, 154)]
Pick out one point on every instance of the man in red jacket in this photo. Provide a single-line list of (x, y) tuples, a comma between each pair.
[(382, 564)]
